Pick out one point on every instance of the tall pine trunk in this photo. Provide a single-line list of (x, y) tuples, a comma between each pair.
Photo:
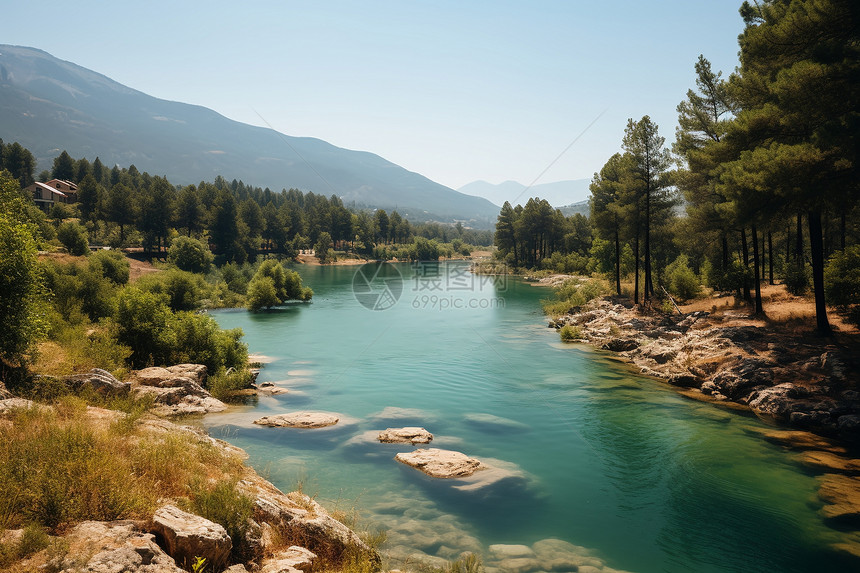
[(758, 306), (636, 273), (745, 250), (816, 251), (617, 262), (770, 258), (647, 289)]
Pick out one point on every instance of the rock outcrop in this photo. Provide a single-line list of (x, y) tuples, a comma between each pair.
[(291, 560), (187, 536), (408, 435), (102, 381), (177, 390), (305, 420), (811, 387), (111, 547)]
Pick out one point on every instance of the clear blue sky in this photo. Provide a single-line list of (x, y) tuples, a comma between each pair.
[(454, 90)]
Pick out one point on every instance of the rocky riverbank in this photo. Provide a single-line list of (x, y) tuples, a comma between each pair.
[(804, 383), (809, 385), (285, 533)]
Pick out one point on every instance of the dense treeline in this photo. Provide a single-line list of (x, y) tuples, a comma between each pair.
[(123, 207), (761, 182)]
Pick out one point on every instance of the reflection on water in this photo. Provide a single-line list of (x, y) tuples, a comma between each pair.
[(615, 471)]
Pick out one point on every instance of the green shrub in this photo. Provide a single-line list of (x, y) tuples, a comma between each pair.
[(224, 386), (112, 265), (226, 506), (199, 340), (190, 255), (842, 282), (184, 290), (285, 285), (73, 236), (144, 324), (570, 333), (681, 280), (796, 277)]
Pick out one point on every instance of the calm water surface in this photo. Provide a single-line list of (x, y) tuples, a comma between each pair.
[(617, 463)]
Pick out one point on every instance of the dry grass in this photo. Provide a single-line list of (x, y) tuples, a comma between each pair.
[(63, 465)]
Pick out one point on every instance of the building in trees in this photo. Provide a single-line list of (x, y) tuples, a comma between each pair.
[(45, 195)]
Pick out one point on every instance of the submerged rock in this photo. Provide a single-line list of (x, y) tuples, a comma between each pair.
[(407, 435), (440, 463), (305, 420)]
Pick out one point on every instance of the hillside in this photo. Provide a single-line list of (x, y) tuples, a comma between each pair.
[(48, 105)]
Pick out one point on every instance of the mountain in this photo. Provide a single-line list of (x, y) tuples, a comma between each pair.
[(48, 105), (558, 194)]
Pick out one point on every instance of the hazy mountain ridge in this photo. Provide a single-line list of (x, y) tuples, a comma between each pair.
[(558, 193), (49, 105)]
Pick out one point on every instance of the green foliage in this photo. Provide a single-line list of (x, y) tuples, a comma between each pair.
[(225, 505), (190, 255), (273, 285), (201, 341), (842, 282), (796, 277), (22, 310), (184, 290), (424, 249), (112, 265), (73, 236), (574, 293), (224, 385), (144, 324), (570, 333), (323, 246), (681, 281)]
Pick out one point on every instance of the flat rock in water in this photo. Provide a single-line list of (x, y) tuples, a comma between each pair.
[(408, 435), (492, 423), (306, 420), (440, 463), (830, 462)]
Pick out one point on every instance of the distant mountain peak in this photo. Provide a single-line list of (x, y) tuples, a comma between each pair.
[(558, 193), (47, 104)]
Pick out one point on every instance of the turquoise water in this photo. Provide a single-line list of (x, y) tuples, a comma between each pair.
[(643, 478)]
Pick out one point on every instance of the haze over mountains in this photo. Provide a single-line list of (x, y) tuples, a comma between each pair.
[(48, 105), (559, 193)]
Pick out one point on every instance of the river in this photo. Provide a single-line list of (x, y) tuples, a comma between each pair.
[(640, 477)]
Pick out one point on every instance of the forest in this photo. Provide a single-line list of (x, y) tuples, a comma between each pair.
[(760, 183)]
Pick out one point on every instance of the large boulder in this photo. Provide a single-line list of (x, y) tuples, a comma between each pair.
[(111, 547), (99, 380), (177, 390), (187, 536), (298, 517)]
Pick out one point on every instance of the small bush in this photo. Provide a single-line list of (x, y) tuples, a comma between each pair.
[(570, 333), (681, 280), (112, 265), (190, 255), (73, 236), (224, 386), (224, 505), (796, 277), (842, 282)]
